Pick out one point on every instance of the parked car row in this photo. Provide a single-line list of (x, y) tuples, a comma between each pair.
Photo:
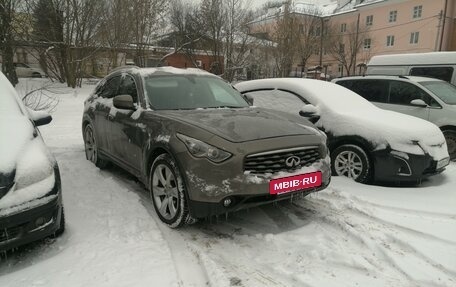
[(203, 147)]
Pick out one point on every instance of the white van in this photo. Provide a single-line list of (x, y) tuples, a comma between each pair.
[(439, 65)]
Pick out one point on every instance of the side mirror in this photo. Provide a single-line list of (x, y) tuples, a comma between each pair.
[(123, 102), (249, 99), (39, 118), (310, 112), (419, 103)]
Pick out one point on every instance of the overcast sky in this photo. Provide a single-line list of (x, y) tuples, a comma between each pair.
[(255, 3)]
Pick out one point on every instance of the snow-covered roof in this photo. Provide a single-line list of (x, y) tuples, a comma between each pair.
[(432, 58), (322, 8), (344, 112)]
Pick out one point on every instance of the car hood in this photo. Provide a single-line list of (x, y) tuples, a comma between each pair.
[(15, 132), (244, 124)]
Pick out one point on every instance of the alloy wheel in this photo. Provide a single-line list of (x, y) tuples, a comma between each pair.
[(165, 191), (90, 144), (349, 164)]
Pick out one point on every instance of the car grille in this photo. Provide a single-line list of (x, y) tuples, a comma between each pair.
[(11, 233), (275, 161)]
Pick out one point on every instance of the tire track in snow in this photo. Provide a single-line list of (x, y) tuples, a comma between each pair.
[(187, 263), (385, 241)]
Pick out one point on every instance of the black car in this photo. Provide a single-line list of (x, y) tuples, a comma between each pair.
[(198, 145), (30, 189), (366, 143)]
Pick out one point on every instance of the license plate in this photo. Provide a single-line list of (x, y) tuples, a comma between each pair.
[(295, 183), (443, 162)]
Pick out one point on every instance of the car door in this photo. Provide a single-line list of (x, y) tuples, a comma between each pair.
[(401, 94), (103, 109), (127, 131)]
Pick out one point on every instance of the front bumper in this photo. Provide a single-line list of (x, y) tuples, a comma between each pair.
[(394, 166), (207, 196), (32, 220)]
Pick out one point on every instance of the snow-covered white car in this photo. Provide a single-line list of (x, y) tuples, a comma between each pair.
[(366, 143), (30, 189)]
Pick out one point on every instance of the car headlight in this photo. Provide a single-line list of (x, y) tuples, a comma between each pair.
[(34, 165), (201, 149)]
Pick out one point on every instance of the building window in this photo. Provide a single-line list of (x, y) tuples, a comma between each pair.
[(393, 16), (343, 28), (199, 63), (341, 47), (414, 37), (417, 10), (390, 41), (367, 44), (369, 20)]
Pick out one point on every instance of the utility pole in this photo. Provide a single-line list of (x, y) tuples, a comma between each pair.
[(438, 32), (355, 47)]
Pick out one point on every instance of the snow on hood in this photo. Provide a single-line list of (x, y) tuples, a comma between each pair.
[(345, 113)]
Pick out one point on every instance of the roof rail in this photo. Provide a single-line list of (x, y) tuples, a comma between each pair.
[(124, 67)]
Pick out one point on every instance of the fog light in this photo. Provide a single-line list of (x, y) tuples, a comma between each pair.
[(227, 202), (40, 221)]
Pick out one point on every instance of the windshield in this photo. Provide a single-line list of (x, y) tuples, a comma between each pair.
[(186, 92), (8, 100), (445, 91)]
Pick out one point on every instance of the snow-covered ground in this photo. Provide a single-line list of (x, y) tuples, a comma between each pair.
[(348, 235)]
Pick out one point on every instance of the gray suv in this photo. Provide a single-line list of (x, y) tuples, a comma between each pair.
[(427, 98), (198, 145)]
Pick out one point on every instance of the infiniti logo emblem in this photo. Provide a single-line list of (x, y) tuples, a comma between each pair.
[(292, 161)]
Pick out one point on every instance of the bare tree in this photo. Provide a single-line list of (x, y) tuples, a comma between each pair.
[(7, 10), (238, 45), (147, 19), (116, 27), (310, 33), (285, 36), (345, 46), (184, 37)]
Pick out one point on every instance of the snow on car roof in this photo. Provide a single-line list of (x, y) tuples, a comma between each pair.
[(172, 70), (316, 92), (344, 112), (411, 78), (432, 58)]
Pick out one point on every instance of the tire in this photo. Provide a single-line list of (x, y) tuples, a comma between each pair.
[(91, 148), (61, 228), (167, 190), (450, 137), (351, 161)]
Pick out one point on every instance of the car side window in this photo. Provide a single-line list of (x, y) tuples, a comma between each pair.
[(403, 93), (371, 90), (442, 73), (277, 100), (128, 87), (109, 89)]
